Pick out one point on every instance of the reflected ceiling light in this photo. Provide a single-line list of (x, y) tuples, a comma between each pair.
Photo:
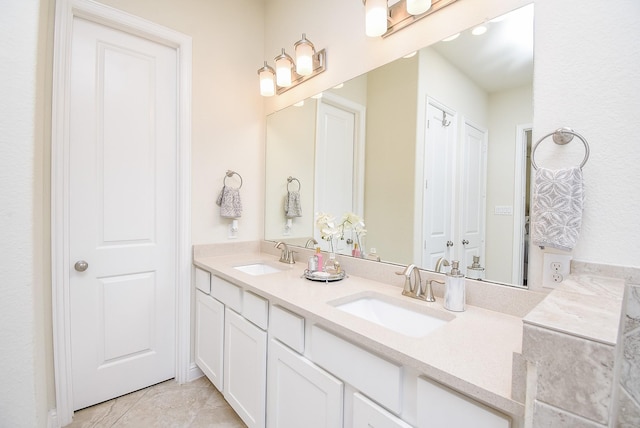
[(417, 7), (376, 13), (451, 38), (410, 55), (317, 96), (479, 30), (288, 74), (267, 81), (338, 86), (284, 67), (304, 56), (299, 103)]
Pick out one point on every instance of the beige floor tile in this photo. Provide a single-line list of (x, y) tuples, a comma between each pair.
[(192, 405)]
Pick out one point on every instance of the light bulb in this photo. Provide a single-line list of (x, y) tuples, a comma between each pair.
[(418, 7), (304, 56), (267, 81), (376, 17), (284, 64)]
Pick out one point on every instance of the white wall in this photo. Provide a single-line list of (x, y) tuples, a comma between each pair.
[(23, 399), (587, 58), (228, 118), (507, 110)]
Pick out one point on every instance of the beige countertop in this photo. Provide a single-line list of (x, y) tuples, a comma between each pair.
[(472, 353)]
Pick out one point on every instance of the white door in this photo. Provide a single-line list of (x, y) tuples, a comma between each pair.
[(123, 152), (437, 208), (245, 369), (300, 393), (339, 184), (473, 195)]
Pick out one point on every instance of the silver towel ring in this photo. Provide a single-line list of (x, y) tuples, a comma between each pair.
[(290, 179), (560, 137), (231, 174)]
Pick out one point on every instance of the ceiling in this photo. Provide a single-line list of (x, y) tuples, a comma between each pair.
[(501, 58)]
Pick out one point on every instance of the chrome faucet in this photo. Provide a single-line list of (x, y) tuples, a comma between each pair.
[(286, 256), (311, 241), (441, 262), (412, 290)]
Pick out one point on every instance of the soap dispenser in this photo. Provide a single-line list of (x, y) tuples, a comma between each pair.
[(454, 292)]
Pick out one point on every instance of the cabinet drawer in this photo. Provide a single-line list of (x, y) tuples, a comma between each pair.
[(441, 407), (287, 327), (203, 280), (255, 309), (374, 376), (228, 293), (367, 414)]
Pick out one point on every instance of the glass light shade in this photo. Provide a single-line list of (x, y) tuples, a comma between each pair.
[(267, 81), (376, 17), (284, 64), (304, 56), (417, 7)]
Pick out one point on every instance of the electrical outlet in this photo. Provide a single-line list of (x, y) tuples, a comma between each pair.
[(555, 269)]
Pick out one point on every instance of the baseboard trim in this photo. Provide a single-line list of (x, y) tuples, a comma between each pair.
[(194, 372)]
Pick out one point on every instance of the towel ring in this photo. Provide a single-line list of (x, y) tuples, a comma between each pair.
[(231, 174), (560, 137), (290, 179)]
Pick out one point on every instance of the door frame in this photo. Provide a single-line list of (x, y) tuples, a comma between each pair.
[(519, 193), (65, 12)]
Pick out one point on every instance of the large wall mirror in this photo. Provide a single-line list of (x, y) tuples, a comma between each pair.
[(430, 150)]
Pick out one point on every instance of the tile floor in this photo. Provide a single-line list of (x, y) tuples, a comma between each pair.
[(196, 404)]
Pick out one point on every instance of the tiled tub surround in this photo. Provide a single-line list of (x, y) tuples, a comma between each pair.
[(472, 354), (569, 344)]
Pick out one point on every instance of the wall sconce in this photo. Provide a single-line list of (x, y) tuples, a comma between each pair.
[(289, 73), (382, 19)]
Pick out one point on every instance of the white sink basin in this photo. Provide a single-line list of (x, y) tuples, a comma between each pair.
[(394, 315), (257, 269)]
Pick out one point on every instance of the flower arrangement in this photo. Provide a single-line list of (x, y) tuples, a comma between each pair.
[(330, 230)]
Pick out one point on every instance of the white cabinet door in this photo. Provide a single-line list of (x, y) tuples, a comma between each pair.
[(367, 414), (209, 337), (245, 369), (300, 393), (440, 407)]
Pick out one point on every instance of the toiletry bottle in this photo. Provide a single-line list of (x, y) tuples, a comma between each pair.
[(320, 261), (454, 292), (312, 265), (475, 271), (356, 251)]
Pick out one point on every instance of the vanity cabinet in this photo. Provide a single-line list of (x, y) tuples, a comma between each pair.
[(245, 368), (442, 408), (368, 414), (301, 394), (209, 337)]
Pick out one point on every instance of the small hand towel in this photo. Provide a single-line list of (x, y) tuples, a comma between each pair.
[(229, 202), (558, 200), (292, 206)]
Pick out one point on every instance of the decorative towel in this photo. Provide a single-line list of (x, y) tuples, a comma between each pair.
[(556, 215), (292, 206), (229, 202)]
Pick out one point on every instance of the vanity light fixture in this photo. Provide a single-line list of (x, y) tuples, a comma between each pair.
[(289, 73), (385, 17)]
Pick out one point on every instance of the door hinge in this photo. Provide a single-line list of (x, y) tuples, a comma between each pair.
[(426, 184), (428, 123)]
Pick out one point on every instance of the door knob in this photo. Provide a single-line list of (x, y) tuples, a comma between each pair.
[(465, 242), (81, 266), (449, 243)]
